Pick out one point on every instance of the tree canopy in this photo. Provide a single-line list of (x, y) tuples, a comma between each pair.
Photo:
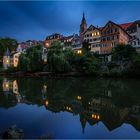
[(9, 43)]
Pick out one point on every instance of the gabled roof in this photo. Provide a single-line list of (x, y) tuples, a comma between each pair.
[(90, 28), (133, 24), (117, 26), (68, 37), (126, 25)]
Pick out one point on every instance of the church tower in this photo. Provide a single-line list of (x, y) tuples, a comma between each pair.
[(83, 26)]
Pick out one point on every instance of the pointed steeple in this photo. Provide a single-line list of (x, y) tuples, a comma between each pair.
[(83, 19), (83, 122), (83, 26)]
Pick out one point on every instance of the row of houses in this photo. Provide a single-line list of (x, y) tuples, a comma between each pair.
[(11, 59), (101, 40)]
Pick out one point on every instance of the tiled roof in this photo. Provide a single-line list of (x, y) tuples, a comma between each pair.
[(100, 28), (126, 25)]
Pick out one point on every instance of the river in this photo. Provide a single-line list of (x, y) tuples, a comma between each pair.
[(71, 107)]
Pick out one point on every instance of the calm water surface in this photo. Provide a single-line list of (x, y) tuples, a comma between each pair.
[(71, 107)]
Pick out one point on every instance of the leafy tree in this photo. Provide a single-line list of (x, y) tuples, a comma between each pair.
[(57, 60), (32, 59), (89, 64), (86, 47), (5, 43), (123, 52)]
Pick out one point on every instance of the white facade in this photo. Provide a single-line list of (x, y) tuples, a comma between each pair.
[(134, 31)]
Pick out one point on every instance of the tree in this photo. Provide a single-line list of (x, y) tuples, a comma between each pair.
[(31, 60), (86, 47), (123, 52), (89, 64), (5, 43), (57, 60)]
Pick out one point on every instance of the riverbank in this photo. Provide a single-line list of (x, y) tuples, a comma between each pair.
[(70, 74), (39, 74)]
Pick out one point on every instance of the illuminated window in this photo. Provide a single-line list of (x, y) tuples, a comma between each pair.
[(98, 33), (7, 61), (79, 51)]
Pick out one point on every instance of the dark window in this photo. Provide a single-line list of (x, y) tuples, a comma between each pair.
[(90, 34), (139, 25), (104, 39), (116, 29), (112, 37), (134, 43), (90, 40), (108, 38)]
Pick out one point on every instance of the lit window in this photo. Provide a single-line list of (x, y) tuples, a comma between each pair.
[(7, 61), (79, 51)]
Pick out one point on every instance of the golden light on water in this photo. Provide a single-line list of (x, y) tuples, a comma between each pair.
[(79, 98), (6, 85), (47, 102), (94, 116), (7, 61)]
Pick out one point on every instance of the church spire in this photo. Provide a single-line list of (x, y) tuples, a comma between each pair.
[(83, 122), (83, 26), (83, 19)]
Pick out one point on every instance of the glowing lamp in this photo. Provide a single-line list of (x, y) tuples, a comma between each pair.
[(47, 44)]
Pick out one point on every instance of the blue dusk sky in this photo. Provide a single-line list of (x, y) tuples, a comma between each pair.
[(26, 20)]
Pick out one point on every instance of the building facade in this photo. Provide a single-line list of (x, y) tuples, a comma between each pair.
[(52, 38), (134, 31), (112, 34), (93, 36)]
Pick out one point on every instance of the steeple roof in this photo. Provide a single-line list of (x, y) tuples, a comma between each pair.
[(83, 19)]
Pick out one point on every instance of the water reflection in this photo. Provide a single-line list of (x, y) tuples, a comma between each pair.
[(109, 101)]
